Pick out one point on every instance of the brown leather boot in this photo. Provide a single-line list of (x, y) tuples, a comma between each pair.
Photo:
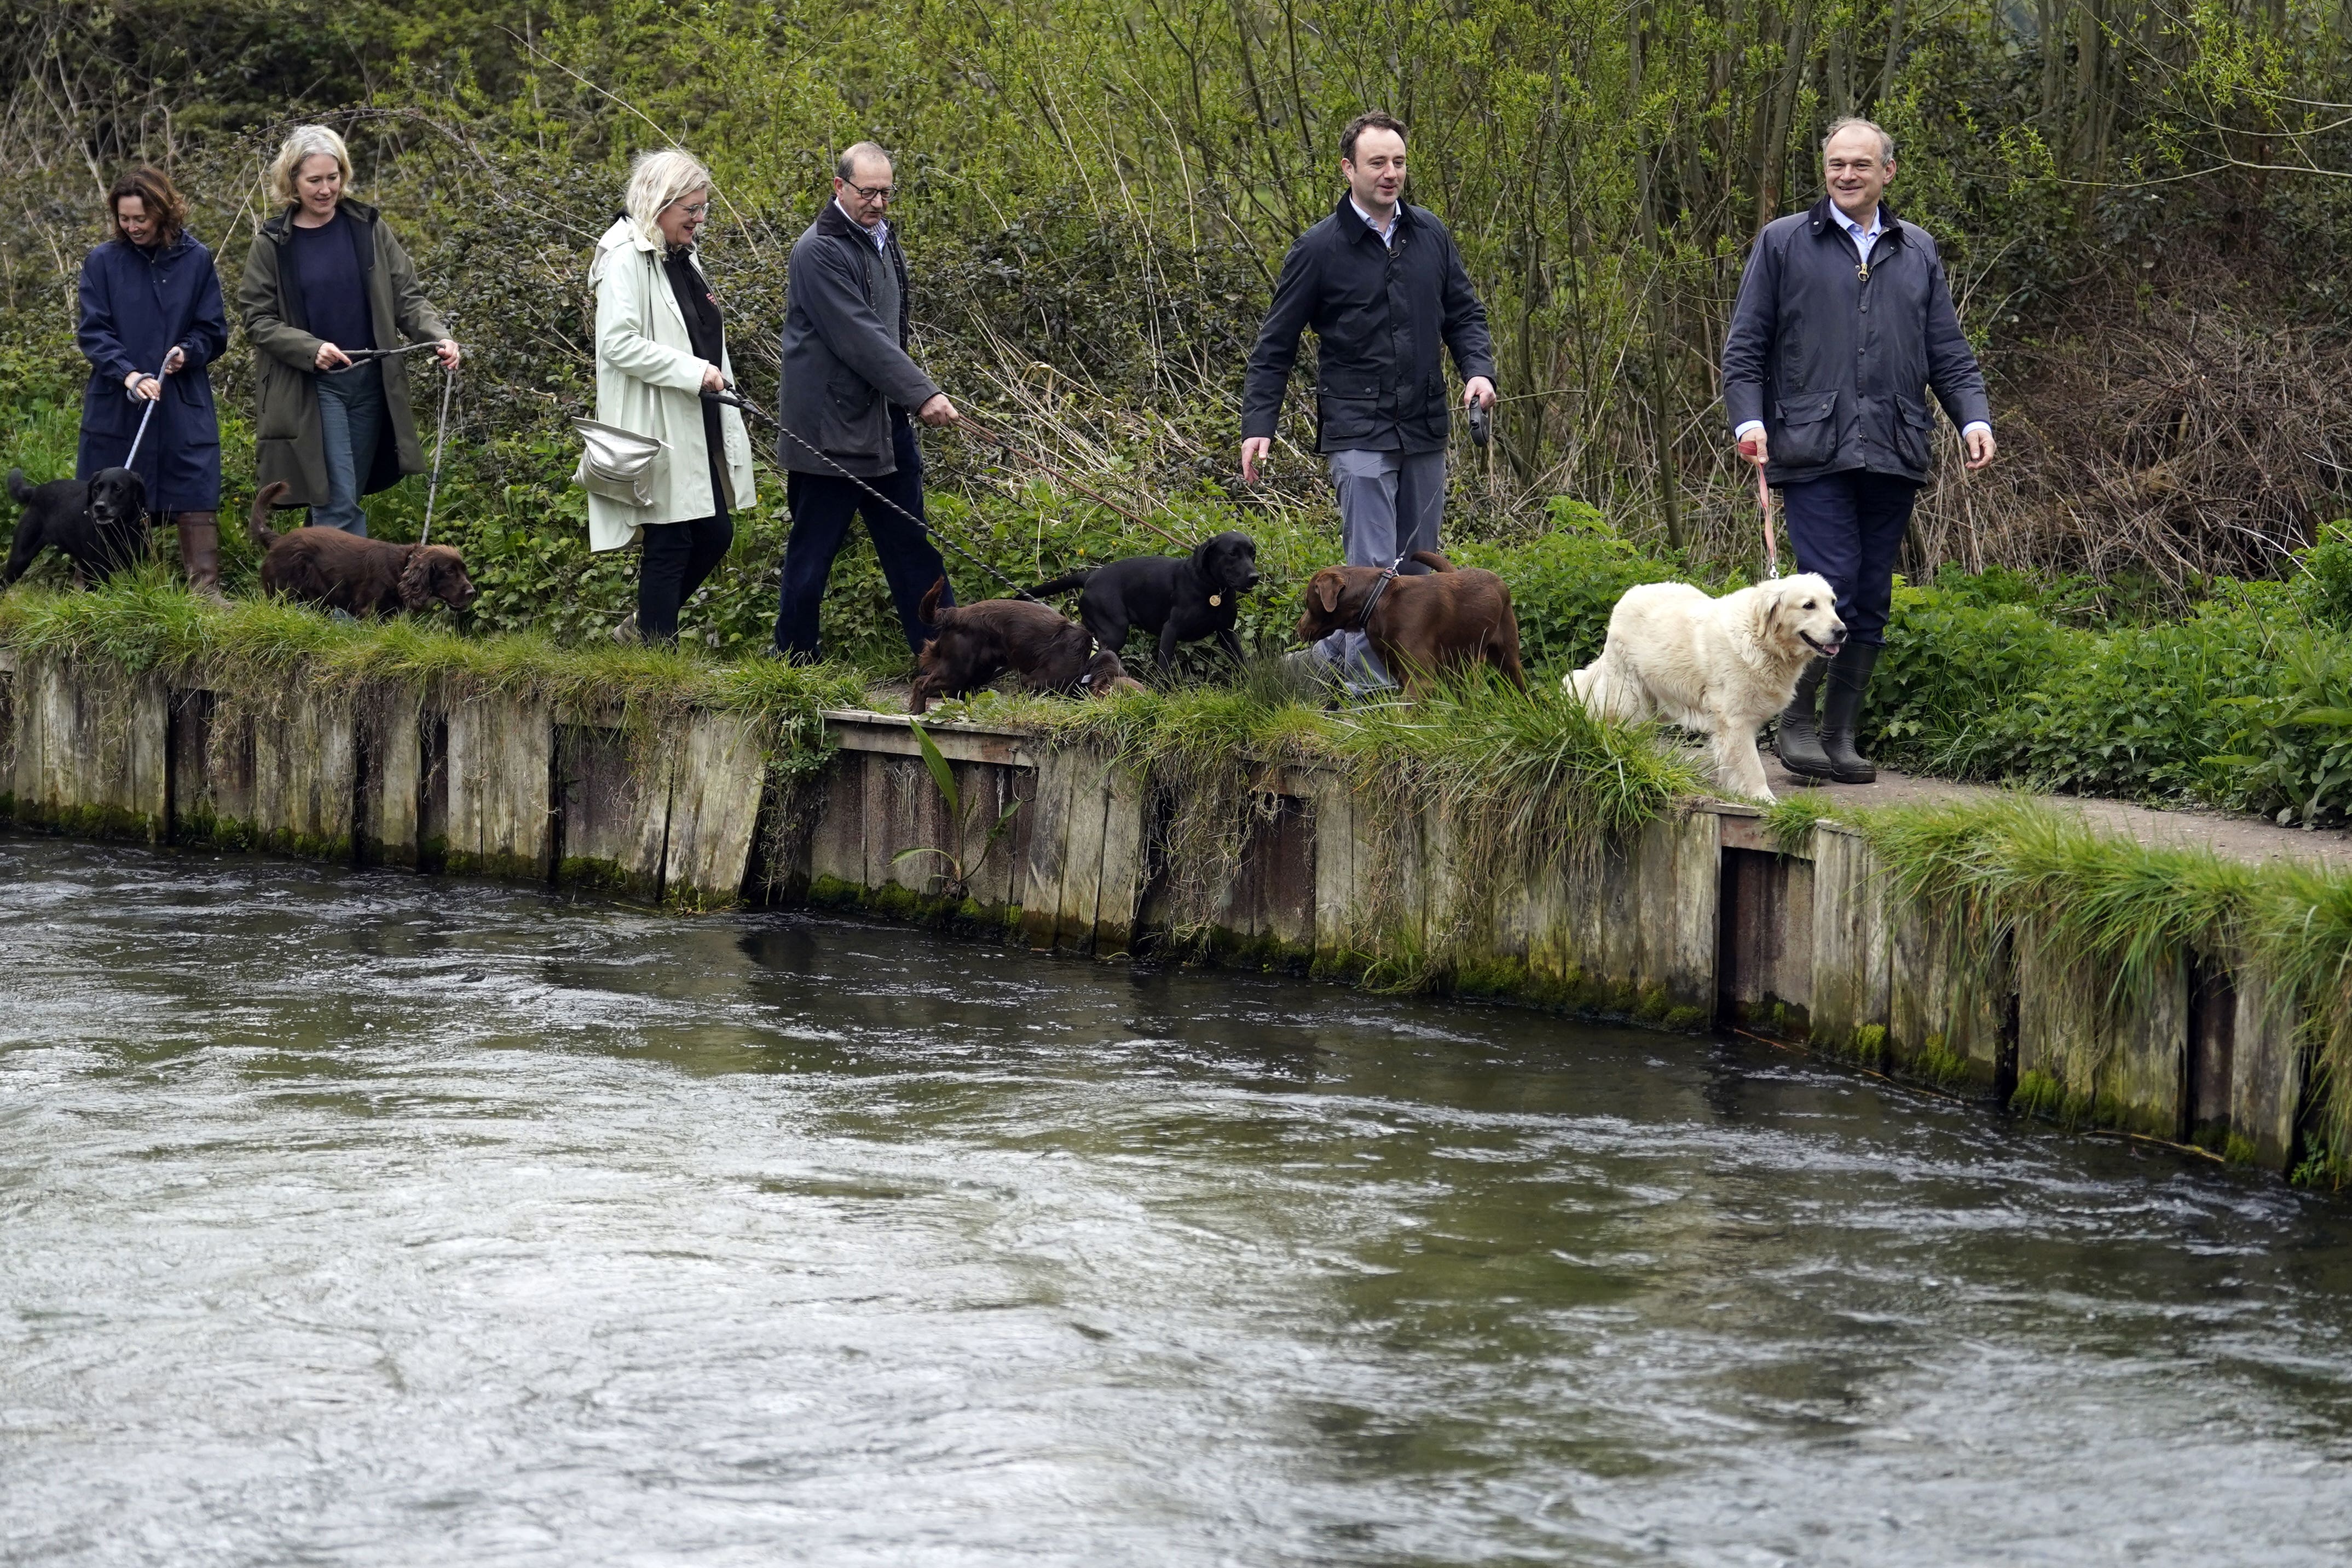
[(200, 552)]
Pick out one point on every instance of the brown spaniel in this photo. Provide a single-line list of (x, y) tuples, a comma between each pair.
[(358, 576)]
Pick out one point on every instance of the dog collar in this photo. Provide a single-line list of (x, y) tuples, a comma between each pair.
[(1388, 575)]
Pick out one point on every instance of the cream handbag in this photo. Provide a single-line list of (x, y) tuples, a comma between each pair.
[(619, 464)]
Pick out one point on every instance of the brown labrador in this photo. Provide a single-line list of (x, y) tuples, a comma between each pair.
[(358, 576), (1421, 627), (977, 643)]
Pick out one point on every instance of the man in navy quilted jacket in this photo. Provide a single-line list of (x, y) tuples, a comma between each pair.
[(1844, 326)]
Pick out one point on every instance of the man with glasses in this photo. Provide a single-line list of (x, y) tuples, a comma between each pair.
[(847, 387), (1385, 291), (1844, 324)]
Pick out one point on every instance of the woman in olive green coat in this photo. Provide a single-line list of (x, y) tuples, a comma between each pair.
[(324, 281)]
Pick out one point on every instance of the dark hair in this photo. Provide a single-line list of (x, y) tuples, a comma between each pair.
[(1371, 120), (158, 195)]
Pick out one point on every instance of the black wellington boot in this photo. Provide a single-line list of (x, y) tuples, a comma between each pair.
[(1849, 679), (1799, 739)]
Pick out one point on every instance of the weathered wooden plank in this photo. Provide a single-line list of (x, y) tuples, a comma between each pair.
[(1049, 840), (501, 808), (1119, 890), (837, 838), (894, 735), (1948, 1021), (390, 777), (1765, 958), (2267, 1067), (612, 799), (95, 757), (1850, 983), (1080, 895), (1338, 848), (306, 776), (714, 809), (987, 789), (2120, 1057)]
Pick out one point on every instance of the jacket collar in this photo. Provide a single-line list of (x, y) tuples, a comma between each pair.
[(277, 228), (1823, 216), (834, 224), (1356, 228)]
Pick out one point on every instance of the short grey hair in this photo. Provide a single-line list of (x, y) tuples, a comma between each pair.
[(845, 165), (656, 179), (303, 143), (1856, 122)]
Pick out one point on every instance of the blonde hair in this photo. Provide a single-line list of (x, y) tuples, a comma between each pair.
[(656, 179), (303, 143)]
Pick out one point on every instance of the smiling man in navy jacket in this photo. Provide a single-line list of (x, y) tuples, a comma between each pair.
[(1844, 323), (1384, 289)]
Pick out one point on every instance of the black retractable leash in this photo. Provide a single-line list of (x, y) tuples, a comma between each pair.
[(733, 399), (1482, 424), (359, 357)]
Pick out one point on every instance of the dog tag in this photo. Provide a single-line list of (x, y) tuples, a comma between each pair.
[(1215, 600)]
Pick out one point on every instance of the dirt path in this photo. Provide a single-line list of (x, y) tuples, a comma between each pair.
[(2226, 833)]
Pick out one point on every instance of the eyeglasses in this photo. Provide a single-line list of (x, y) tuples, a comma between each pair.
[(872, 193), (696, 211)]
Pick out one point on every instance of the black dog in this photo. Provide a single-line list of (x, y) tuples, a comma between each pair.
[(1181, 600), (101, 525)]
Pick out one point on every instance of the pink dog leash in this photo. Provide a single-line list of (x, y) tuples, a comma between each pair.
[(1764, 503)]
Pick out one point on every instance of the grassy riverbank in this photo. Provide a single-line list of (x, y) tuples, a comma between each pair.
[(2100, 915), (1518, 786)]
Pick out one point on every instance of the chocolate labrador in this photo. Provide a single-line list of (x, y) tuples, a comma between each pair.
[(1421, 627), (979, 642)]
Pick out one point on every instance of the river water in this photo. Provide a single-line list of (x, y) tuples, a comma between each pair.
[(355, 1217)]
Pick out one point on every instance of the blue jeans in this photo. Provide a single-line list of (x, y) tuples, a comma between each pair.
[(350, 420), (1849, 528), (822, 505), (1390, 505)]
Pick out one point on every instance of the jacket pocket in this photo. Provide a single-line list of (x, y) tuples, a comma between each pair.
[(283, 397), (1346, 406), (1808, 435), (851, 396), (1912, 425)]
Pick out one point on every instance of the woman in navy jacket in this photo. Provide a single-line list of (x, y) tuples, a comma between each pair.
[(152, 320)]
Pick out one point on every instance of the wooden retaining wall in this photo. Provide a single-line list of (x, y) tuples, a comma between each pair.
[(1697, 922)]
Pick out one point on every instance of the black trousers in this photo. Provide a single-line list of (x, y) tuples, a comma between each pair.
[(822, 505), (678, 558), (1849, 528)]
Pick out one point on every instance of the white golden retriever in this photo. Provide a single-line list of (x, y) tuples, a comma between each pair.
[(1719, 666)]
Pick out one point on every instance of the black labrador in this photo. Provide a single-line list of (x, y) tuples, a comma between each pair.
[(1178, 599), (101, 525)]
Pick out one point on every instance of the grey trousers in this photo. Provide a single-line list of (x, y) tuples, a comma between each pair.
[(1390, 505)]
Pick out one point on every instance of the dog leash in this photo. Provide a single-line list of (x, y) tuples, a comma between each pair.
[(359, 357), (1764, 504), (440, 434), (735, 400), (132, 455)]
